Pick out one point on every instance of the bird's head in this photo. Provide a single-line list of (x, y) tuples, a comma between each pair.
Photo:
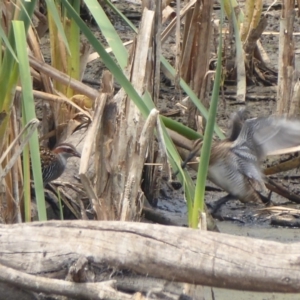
[(66, 150)]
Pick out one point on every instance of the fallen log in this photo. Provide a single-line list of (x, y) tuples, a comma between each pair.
[(172, 253)]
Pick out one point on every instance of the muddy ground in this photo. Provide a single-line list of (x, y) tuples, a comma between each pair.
[(240, 219)]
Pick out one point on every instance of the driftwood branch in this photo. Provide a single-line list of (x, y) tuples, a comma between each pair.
[(99, 290), (172, 253)]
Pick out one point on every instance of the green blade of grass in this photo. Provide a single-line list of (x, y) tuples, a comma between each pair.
[(185, 178), (207, 142), (175, 159), (9, 68), (7, 44), (29, 114), (73, 34), (55, 15), (170, 123), (230, 6), (114, 8), (109, 32), (181, 129)]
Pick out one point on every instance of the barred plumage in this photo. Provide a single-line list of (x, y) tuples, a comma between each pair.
[(54, 161)]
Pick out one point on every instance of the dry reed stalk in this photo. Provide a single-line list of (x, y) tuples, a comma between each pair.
[(286, 58), (196, 49)]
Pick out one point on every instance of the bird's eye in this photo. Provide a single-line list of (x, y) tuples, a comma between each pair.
[(68, 150)]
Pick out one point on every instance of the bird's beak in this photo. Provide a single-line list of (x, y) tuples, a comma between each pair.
[(77, 154)]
